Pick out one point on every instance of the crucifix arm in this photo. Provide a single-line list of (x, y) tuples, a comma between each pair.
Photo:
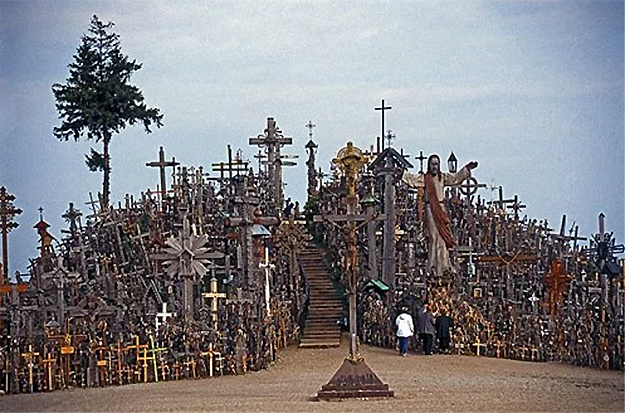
[(366, 221), (413, 180)]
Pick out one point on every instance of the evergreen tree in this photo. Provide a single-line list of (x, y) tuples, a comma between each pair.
[(98, 99)]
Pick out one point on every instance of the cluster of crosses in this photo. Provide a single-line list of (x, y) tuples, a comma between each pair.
[(191, 280), (518, 289), (201, 277)]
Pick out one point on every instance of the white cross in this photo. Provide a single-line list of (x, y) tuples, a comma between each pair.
[(161, 318), (533, 300), (267, 266)]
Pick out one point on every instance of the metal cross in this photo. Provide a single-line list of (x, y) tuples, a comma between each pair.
[(421, 158), (390, 137), (310, 127), (383, 109)]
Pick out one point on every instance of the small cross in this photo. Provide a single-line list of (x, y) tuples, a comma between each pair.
[(477, 345), (390, 137), (383, 109), (161, 318), (533, 300), (310, 127)]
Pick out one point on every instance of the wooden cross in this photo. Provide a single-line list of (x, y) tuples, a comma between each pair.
[(516, 206), (101, 364), (535, 353), (477, 345), (190, 364), (153, 350), (214, 295), (273, 140), (556, 280), (213, 354), (67, 342), (7, 213), (383, 109), (164, 371), (161, 164), (29, 356), (499, 344), (137, 348), (49, 363)]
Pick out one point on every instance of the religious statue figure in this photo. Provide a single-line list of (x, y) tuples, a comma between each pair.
[(437, 220)]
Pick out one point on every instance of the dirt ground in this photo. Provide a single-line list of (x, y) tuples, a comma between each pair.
[(438, 383)]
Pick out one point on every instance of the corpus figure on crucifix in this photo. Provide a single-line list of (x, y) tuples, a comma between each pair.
[(437, 220)]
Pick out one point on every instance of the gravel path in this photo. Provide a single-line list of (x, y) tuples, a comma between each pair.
[(438, 383)]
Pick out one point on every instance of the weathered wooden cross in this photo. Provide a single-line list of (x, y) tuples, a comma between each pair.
[(7, 213), (161, 164)]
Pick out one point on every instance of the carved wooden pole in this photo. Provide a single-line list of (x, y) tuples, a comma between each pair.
[(7, 212)]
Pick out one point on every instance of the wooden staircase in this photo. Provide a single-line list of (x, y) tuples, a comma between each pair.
[(322, 329)]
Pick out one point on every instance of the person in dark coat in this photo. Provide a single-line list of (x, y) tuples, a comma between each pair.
[(426, 328), (444, 324)]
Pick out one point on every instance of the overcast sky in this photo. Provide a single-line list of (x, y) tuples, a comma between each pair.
[(533, 90)]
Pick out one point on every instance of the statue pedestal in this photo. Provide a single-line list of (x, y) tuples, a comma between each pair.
[(354, 379)]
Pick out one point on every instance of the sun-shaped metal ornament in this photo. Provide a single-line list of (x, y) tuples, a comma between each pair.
[(187, 254)]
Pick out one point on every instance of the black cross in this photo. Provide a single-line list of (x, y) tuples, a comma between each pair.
[(390, 137), (421, 158), (310, 127), (71, 216), (383, 109)]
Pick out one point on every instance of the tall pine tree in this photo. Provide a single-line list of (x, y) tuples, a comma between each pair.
[(98, 99)]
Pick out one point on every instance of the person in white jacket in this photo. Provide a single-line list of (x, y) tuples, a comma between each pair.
[(405, 330)]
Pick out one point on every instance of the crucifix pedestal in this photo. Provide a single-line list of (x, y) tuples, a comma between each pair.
[(354, 379)]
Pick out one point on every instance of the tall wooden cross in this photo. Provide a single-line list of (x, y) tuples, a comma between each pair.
[(161, 164), (7, 212), (272, 139), (383, 109)]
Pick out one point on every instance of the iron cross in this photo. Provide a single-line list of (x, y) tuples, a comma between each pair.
[(383, 109)]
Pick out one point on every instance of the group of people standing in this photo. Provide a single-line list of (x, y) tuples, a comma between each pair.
[(429, 326)]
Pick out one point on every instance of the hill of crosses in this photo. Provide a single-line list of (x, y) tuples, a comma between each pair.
[(203, 276)]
